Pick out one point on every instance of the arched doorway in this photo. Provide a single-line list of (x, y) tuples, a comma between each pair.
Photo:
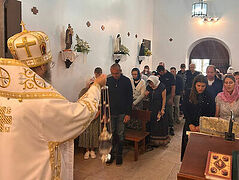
[(210, 51)]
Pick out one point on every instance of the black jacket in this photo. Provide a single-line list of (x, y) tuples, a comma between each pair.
[(179, 85), (183, 76), (120, 95), (192, 112), (189, 79), (168, 80), (215, 88)]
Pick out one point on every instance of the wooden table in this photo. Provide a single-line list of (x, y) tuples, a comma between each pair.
[(195, 157)]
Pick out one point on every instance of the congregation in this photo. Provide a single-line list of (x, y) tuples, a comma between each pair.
[(167, 94), (140, 89)]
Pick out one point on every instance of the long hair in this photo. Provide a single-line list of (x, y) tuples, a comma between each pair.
[(193, 94)]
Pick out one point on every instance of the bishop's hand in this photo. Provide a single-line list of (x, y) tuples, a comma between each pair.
[(126, 118), (192, 128)]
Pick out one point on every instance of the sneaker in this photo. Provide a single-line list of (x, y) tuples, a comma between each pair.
[(110, 161), (171, 131), (92, 154), (87, 155), (119, 160)]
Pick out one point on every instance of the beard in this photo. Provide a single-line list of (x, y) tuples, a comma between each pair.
[(47, 74)]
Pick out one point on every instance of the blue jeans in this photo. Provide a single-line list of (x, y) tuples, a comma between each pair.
[(117, 124)]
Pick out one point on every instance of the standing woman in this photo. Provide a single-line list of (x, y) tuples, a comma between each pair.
[(197, 102), (158, 125), (228, 99), (138, 86)]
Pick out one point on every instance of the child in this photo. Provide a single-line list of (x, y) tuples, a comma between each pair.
[(89, 138)]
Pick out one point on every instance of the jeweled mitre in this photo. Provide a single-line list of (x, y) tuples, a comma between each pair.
[(30, 47)]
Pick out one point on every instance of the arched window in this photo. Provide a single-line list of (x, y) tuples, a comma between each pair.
[(209, 51)]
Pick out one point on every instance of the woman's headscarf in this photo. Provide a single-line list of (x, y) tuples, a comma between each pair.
[(230, 70), (154, 79), (226, 96), (138, 76)]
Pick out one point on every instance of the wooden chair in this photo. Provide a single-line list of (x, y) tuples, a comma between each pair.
[(138, 135)]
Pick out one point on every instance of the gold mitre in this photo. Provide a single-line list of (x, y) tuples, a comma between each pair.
[(30, 47)]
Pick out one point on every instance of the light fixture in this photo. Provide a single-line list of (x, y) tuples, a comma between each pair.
[(210, 19), (199, 9)]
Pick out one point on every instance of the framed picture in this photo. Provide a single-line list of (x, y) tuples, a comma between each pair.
[(147, 44)]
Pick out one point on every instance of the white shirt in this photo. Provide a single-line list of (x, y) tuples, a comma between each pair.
[(210, 82)]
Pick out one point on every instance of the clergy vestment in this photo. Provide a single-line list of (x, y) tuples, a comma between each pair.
[(35, 121)]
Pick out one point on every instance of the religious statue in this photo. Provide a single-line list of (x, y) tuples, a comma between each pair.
[(117, 44), (142, 49), (69, 34)]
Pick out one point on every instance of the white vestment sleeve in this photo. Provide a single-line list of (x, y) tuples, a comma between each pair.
[(67, 161), (64, 120)]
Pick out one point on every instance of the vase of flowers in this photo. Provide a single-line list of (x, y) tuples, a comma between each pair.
[(124, 50), (122, 54), (81, 45), (144, 52)]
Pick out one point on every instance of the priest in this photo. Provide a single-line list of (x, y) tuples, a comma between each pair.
[(35, 119)]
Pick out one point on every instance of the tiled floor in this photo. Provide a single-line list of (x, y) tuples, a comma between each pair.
[(162, 163)]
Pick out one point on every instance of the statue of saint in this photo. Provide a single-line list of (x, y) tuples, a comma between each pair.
[(117, 44), (142, 49), (69, 34)]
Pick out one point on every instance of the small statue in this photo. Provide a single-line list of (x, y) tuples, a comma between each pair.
[(69, 34), (142, 49), (117, 44)]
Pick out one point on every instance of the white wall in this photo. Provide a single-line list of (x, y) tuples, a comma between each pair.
[(157, 20), (118, 16), (172, 18)]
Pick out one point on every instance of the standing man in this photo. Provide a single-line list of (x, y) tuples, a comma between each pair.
[(161, 63), (35, 119), (182, 73), (178, 94), (121, 99), (146, 71), (214, 85), (190, 75), (168, 80)]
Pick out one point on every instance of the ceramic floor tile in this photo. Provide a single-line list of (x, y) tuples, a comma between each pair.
[(162, 163), (174, 172)]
